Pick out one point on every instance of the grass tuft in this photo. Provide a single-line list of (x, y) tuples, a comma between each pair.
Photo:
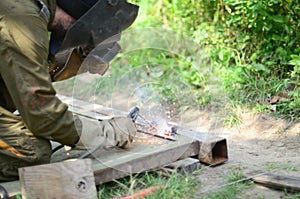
[(175, 186)]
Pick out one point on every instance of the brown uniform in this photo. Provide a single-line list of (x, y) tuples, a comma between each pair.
[(25, 85)]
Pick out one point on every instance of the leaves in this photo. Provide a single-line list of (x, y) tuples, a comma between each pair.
[(253, 45)]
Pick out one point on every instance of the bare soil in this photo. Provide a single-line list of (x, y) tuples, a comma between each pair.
[(260, 143)]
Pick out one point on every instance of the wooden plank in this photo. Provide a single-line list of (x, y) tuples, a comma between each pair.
[(213, 149), (97, 111), (142, 158), (281, 182), (63, 180), (145, 154), (188, 165)]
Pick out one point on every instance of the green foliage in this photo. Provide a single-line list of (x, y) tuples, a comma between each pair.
[(254, 45), (233, 118), (295, 61), (172, 76), (258, 40)]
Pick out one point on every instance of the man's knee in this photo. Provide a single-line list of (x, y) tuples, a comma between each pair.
[(40, 154)]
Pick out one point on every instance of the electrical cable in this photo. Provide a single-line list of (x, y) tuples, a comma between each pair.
[(3, 193), (89, 152), (57, 148)]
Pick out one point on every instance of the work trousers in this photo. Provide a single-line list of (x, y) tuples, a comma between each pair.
[(19, 147), (25, 85)]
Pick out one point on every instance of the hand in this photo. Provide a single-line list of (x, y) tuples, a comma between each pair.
[(118, 131), (124, 131)]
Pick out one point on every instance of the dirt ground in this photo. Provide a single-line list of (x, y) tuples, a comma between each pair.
[(259, 143)]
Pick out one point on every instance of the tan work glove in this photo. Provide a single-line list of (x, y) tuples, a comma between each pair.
[(118, 131)]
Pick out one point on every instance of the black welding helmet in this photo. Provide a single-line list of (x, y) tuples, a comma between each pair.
[(96, 21), (75, 8), (95, 33)]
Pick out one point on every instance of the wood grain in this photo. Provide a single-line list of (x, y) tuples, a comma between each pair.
[(275, 181), (63, 180)]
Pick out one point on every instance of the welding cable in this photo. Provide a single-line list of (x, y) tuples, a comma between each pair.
[(3, 193), (89, 152), (57, 148)]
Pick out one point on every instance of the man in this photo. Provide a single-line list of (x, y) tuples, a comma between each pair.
[(25, 86)]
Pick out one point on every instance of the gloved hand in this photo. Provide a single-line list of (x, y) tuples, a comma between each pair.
[(117, 131)]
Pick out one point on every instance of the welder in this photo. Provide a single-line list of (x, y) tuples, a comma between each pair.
[(30, 113)]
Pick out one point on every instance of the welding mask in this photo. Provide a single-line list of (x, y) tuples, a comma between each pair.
[(91, 42), (76, 9)]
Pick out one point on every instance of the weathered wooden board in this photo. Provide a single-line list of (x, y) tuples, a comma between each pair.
[(62, 180), (212, 149), (146, 153), (281, 182), (188, 165)]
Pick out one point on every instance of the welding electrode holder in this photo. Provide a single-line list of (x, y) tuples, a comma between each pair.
[(134, 113)]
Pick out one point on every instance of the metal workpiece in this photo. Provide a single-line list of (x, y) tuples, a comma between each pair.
[(212, 149)]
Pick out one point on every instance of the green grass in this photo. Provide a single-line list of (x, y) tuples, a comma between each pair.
[(229, 192), (277, 165), (241, 45), (296, 196), (232, 190), (233, 115), (175, 186)]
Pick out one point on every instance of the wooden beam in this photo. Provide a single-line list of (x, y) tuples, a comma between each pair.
[(146, 153), (138, 161), (188, 165), (281, 182), (69, 179), (212, 149)]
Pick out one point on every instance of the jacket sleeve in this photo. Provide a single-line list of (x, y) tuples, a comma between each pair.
[(24, 69)]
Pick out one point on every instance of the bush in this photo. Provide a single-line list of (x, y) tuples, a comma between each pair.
[(254, 45)]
